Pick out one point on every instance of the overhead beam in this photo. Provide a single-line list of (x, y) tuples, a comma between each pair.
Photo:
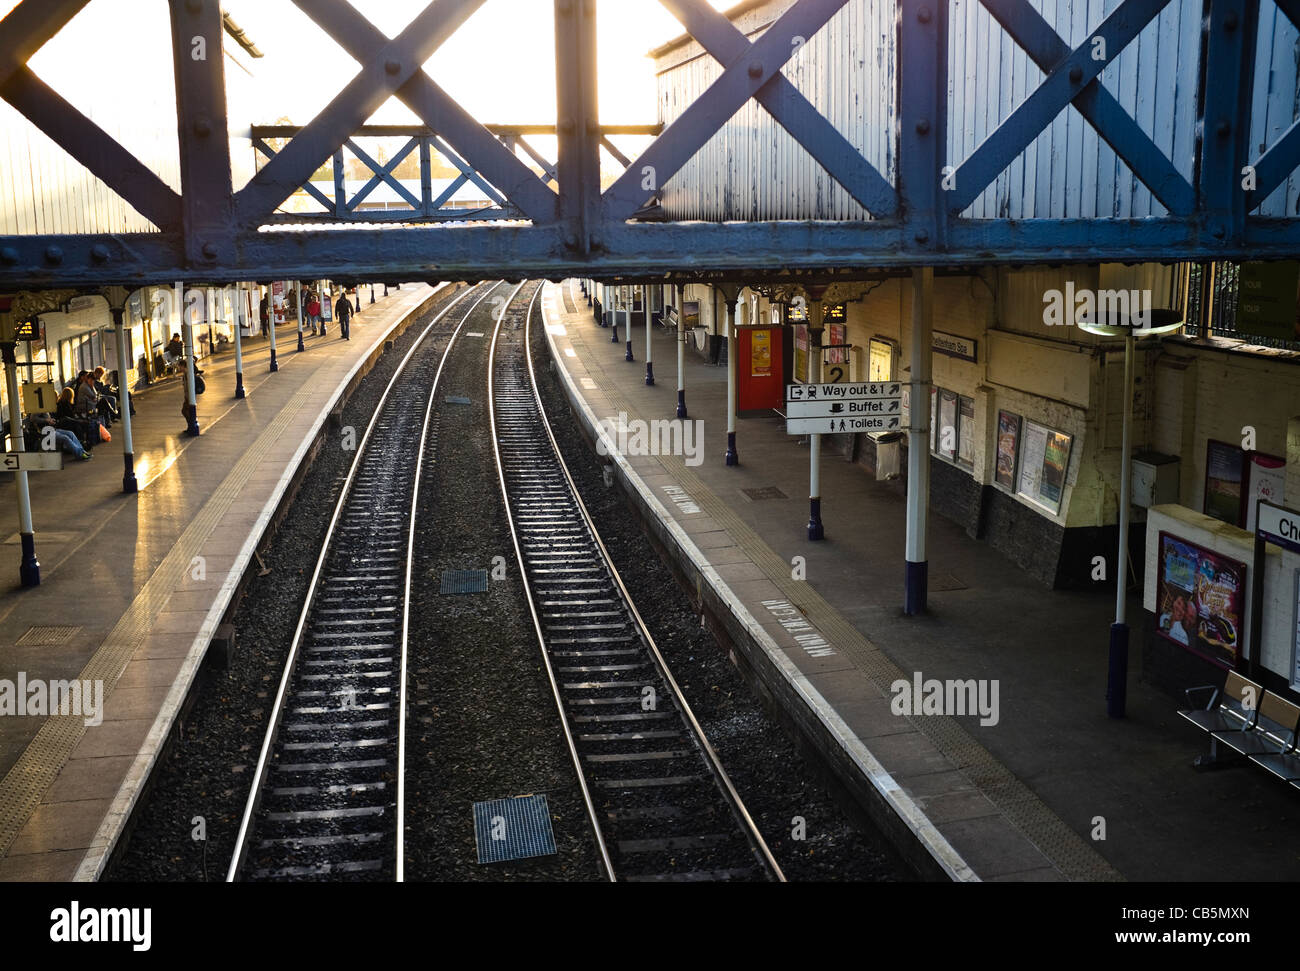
[(28, 27)]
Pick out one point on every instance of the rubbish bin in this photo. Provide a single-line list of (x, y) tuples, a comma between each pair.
[(889, 454)]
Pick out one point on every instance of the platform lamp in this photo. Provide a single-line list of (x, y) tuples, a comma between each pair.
[(1114, 324)]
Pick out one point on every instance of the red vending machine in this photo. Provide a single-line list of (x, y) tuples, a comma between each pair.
[(759, 370)]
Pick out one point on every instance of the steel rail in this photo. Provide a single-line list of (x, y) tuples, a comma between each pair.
[(263, 763)]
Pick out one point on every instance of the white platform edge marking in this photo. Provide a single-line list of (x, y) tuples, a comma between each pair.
[(101, 847), (917, 821)]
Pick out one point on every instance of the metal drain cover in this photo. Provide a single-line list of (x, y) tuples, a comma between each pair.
[(513, 829), (47, 636), (457, 399), (767, 492), (464, 581)]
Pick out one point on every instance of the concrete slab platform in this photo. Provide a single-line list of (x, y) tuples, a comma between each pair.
[(145, 579)]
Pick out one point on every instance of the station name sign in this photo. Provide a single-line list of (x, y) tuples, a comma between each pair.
[(1278, 526)]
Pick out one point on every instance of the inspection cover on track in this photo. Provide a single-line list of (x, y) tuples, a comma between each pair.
[(766, 492), (457, 399), (464, 581), (513, 829)]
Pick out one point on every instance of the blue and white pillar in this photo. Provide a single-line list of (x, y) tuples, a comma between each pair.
[(916, 580)]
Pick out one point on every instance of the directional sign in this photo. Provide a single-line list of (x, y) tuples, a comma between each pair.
[(31, 461), (831, 408), (860, 391), (1278, 526), (848, 423)]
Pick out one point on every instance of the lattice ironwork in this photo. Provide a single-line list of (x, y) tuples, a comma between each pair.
[(560, 222)]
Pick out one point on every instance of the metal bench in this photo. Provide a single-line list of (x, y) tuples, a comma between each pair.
[(1250, 722)]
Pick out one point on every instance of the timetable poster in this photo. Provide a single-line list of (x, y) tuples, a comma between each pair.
[(1223, 474), (947, 424), (1008, 446), (1200, 597)]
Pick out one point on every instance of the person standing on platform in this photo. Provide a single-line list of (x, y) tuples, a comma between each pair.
[(313, 312), (344, 310)]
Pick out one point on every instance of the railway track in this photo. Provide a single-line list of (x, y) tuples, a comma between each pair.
[(327, 797), (661, 804)]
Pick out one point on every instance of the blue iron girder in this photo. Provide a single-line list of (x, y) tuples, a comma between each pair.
[(467, 170), (792, 111), (261, 146), (340, 206), (577, 171), (742, 77), (28, 27), (1027, 27), (922, 122), (94, 148), (1229, 79), (1048, 100), (1283, 156), (202, 132), (636, 251), (435, 108), (383, 174), (548, 170), (426, 177), (389, 67)]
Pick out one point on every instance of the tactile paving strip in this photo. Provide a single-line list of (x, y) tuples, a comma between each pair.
[(513, 829), (1062, 846), (25, 783)]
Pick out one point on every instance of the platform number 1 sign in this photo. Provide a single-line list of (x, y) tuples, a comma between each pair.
[(39, 397)]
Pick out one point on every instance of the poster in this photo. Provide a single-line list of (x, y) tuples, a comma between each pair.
[(966, 431), (1056, 461), (880, 360), (691, 313), (327, 308), (1044, 465), (1200, 597), (948, 424), (801, 352), (277, 301), (1265, 479), (1008, 448), (837, 349), (760, 353), (1223, 473)]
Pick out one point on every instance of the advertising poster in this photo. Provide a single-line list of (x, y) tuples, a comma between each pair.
[(880, 361), (327, 308), (1056, 460), (1008, 448), (691, 312), (948, 424), (1223, 474), (966, 431), (760, 353), (278, 302), (838, 339), (1200, 600), (801, 352)]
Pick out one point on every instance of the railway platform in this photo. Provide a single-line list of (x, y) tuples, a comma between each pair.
[(1050, 788), (134, 587)]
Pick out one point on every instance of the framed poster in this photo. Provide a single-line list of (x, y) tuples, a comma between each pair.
[(1224, 470), (947, 424), (966, 431), (1008, 449), (1265, 479), (1295, 631), (934, 413), (801, 352), (880, 360), (691, 313), (1044, 464), (760, 353), (327, 308), (838, 352), (1200, 600)]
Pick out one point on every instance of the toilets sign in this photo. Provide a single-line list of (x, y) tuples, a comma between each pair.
[(833, 408)]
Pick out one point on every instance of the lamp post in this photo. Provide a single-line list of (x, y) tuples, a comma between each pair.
[(1159, 322)]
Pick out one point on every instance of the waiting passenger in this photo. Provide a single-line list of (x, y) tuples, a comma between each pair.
[(87, 399), (176, 347), (65, 440), (107, 395), (65, 408)]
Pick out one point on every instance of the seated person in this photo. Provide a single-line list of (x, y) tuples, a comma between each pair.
[(65, 413), (87, 400), (107, 406), (34, 437), (65, 408), (176, 347)]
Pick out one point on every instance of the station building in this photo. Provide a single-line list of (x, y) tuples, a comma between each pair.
[(1026, 406)]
